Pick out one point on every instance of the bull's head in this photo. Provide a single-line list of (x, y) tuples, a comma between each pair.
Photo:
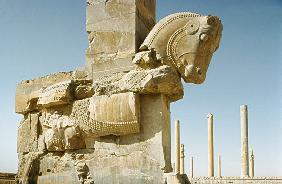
[(187, 42)]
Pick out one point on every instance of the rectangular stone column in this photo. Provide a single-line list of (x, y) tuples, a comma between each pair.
[(182, 168), (244, 141), (210, 146), (116, 29), (177, 147)]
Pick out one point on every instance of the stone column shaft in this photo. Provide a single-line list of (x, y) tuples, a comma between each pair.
[(244, 141), (252, 164), (173, 167), (219, 166), (177, 147), (191, 167), (182, 168), (210, 146)]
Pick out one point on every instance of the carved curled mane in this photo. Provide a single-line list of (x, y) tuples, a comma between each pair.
[(162, 24)]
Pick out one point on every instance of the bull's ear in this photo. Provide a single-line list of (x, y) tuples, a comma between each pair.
[(143, 47), (212, 20), (219, 33)]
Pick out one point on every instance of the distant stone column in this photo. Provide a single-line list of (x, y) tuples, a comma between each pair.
[(177, 147), (219, 166), (191, 167), (252, 163), (210, 146), (182, 168), (244, 141)]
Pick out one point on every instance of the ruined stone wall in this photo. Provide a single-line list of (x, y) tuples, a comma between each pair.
[(7, 178), (236, 180)]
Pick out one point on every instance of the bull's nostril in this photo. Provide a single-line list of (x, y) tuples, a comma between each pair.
[(199, 71)]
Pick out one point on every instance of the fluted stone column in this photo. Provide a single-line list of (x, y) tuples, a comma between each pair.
[(182, 168), (219, 166), (252, 163), (177, 147), (210, 146), (244, 141), (191, 167)]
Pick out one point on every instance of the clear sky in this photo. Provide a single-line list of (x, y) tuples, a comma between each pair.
[(42, 37)]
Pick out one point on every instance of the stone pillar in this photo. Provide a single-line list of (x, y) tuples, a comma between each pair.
[(116, 29), (191, 167), (173, 167), (252, 163), (154, 140), (219, 166), (210, 146), (182, 168), (177, 147), (244, 141)]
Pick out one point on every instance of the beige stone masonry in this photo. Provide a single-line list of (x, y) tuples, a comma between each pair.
[(116, 30)]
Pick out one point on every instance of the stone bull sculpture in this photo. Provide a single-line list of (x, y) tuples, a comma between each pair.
[(63, 110)]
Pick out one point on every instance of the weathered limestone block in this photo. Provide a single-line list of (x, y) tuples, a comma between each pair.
[(52, 90), (56, 94), (82, 170), (65, 168), (65, 92), (116, 30), (27, 92), (100, 13), (138, 158), (110, 46), (83, 89), (58, 178), (147, 59), (161, 80), (28, 133), (126, 169), (28, 167), (108, 84), (172, 178)]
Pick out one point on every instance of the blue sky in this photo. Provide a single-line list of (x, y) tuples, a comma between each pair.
[(42, 37)]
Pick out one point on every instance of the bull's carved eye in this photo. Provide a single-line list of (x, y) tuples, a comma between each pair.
[(192, 27), (204, 37)]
